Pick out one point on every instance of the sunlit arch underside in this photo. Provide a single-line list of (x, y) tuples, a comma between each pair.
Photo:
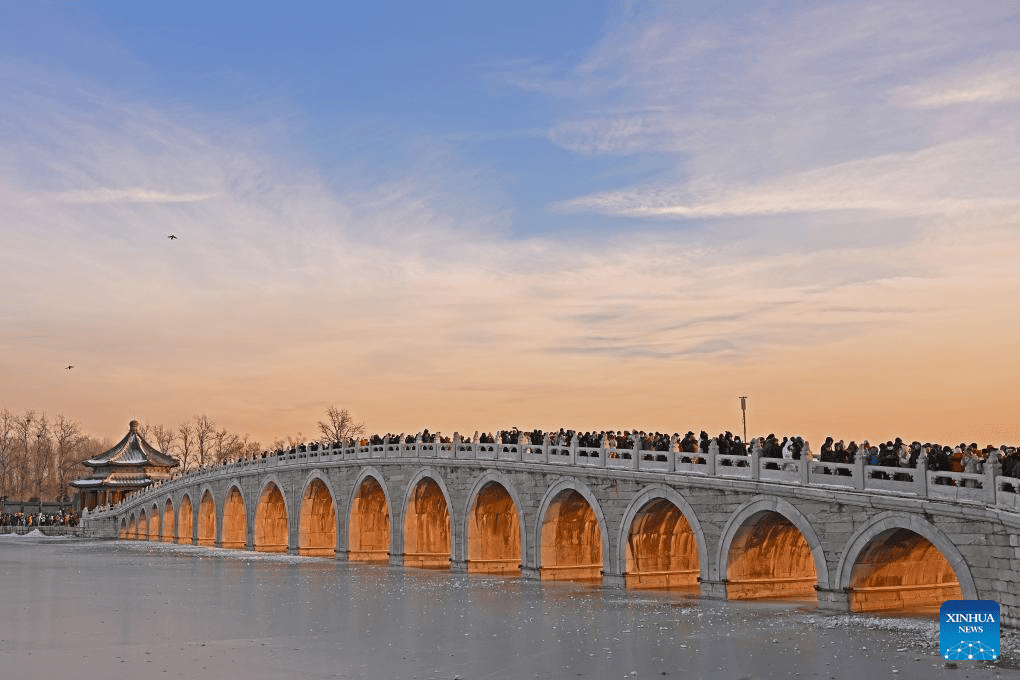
[(235, 523), (662, 551), (184, 520), (123, 529), (571, 540), (271, 521), (166, 527), (369, 528), (143, 527), (494, 532), (427, 527), (900, 570), (154, 523), (769, 558), (317, 529), (207, 520)]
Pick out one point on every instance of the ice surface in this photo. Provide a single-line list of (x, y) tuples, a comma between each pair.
[(124, 609)]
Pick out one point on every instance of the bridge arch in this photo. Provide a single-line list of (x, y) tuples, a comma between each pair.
[(154, 527), (428, 521), (272, 528), (123, 528), (657, 499), (770, 522), (185, 520), (143, 525), (371, 529), (132, 529), (234, 521), (317, 517), (571, 534), (495, 555), (886, 535), (207, 518), (166, 524)]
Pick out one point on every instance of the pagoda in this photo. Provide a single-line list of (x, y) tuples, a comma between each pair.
[(129, 466)]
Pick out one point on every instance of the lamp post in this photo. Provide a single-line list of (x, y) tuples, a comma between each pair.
[(743, 410)]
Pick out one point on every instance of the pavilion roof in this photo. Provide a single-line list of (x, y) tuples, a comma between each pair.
[(133, 450), (128, 479)]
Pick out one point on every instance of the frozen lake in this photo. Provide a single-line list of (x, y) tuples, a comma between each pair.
[(91, 609)]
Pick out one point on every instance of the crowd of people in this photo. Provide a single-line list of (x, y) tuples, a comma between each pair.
[(67, 518), (894, 453)]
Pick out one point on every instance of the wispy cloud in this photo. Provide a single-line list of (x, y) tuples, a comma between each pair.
[(983, 81), (126, 196), (983, 174)]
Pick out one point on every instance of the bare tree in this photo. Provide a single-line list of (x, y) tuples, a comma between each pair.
[(205, 433), (250, 449), (7, 444), (227, 445), (40, 461), (186, 443), (24, 428), (339, 426), (143, 430), (164, 438), (69, 442)]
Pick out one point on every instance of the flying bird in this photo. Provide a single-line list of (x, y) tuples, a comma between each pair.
[(70, 367), (171, 237)]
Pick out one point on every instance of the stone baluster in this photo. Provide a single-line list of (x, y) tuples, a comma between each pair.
[(859, 461), (712, 457), (921, 476), (756, 459), (993, 468)]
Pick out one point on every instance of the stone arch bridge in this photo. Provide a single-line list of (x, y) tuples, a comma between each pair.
[(848, 536)]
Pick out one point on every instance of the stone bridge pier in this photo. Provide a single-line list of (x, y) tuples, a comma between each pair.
[(746, 532)]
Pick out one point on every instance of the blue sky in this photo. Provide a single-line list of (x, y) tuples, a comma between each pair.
[(508, 200)]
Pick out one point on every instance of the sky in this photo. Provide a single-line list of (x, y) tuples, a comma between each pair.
[(471, 216)]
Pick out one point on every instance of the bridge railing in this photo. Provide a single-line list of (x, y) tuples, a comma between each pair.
[(985, 488)]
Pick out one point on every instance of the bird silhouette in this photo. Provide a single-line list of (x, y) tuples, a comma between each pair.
[(70, 367), (171, 237)]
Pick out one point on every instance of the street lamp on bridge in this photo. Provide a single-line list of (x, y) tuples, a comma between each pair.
[(743, 410)]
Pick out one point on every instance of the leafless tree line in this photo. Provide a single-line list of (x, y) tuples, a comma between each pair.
[(199, 442), (39, 456)]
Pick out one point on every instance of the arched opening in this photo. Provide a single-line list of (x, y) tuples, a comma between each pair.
[(662, 551), (235, 523), (571, 540), (184, 520), (494, 532), (901, 571), (132, 531), (154, 523), (370, 524), (143, 527), (207, 521), (123, 528), (769, 558), (317, 531), (271, 521), (427, 527), (166, 528)]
